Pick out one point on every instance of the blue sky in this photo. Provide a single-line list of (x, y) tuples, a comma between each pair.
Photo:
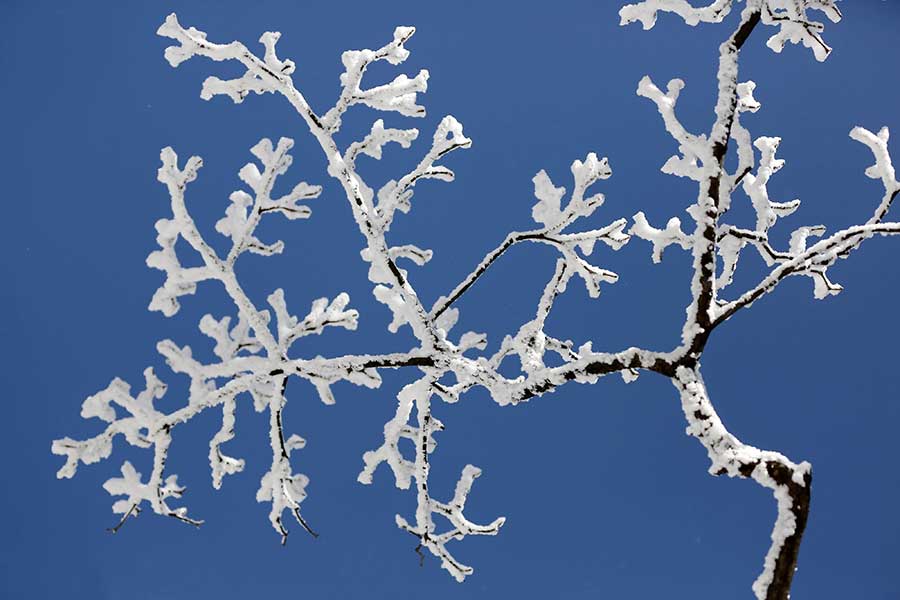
[(605, 497)]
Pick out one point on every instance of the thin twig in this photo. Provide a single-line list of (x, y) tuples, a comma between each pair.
[(134, 509)]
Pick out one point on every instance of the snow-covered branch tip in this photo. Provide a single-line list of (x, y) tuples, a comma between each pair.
[(460, 525), (661, 238), (789, 481), (791, 18), (280, 486), (377, 138), (697, 156), (322, 314), (264, 76), (645, 12), (554, 220), (700, 161), (396, 194), (399, 95), (883, 169), (239, 223), (549, 212), (418, 394)]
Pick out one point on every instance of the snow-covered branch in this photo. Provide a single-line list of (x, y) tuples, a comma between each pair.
[(702, 160), (801, 258), (398, 95), (646, 11), (795, 26), (555, 220), (883, 169), (238, 348), (696, 152), (661, 238), (322, 314), (395, 195), (790, 16), (377, 138), (812, 262), (789, 481), (238, 225), (280, 485), (144, 427), (421, 434), (252, 347)]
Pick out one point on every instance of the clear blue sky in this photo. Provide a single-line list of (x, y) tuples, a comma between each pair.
[(626, 508)]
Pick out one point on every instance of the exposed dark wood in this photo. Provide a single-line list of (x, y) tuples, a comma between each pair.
[(786, 563)]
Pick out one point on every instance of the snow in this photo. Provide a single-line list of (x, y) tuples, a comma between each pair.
[(252, 346), (661, 238), (790, 16)]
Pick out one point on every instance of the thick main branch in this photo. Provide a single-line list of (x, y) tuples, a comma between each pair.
[(789, 481)]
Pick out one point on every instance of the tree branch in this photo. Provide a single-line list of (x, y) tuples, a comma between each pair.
[(789, 482)]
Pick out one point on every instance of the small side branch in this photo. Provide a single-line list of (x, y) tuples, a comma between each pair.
[(133, 510), (554, 220), (280, 486), (812, 262), (645, 11)]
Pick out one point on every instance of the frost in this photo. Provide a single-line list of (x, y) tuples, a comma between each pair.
[(405, 471), (883, 169), (555, 219), (645, 12), (323, 313), (396, 195), (373, 143), (154, 493), (399, 95), (547, 210), (660, 238), (729, 456), (796, 27), (695, 149), (252, 348)]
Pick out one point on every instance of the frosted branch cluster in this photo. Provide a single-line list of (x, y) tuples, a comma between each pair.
[(789, 16), (252, 346)]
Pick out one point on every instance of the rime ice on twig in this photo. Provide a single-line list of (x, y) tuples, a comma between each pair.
[(531, 342), (801, 258), (549, 212), (883, 169), (789, 16), (374, 214), (280, 486), (697, 154), (399, 95), (395, 195), (145, 427), (554, 218), (377, 138), (645, 11), (717, 245), (661, 238), (788, 481), (238, 225), (461, 526), (250, 356), (322, 314)]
